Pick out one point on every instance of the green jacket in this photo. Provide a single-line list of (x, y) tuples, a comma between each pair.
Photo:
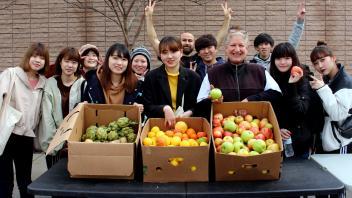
[(52, 112)]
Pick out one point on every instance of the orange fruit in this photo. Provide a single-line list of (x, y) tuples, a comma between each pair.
[(161, 141), (182, 126), (169, 133), (190, 131)]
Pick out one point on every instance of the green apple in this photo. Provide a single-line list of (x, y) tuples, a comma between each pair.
[(259, 145), (237, 146), (243, 152), (228, 139), (227, 147), (230, 126), (237, 139), (215, 94), (247, 135), (269, 142)]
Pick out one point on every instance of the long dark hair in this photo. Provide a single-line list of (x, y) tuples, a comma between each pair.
[(280, 51), (130, 78), (68, 53)]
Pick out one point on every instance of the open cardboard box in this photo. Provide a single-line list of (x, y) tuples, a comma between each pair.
[(156, 163), (97, 160), (258, 167)]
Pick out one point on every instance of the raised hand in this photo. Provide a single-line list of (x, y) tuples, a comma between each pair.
[(301, 12), (227, 11), (317, 82), (149, 9)]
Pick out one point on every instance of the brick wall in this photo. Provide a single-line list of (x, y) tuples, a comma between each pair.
[(59, 25)]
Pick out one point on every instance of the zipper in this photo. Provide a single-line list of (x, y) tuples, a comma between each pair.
[(238, 86)]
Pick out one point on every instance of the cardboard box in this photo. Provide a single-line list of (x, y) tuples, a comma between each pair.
[(156, 163), (259, 167), (97, 160)]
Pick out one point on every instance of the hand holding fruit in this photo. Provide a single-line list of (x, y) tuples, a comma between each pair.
[(296, 74), (170, 118), (215, 94)]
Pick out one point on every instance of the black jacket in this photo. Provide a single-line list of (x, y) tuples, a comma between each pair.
[(299, 111), (93, 91), (156, 91)]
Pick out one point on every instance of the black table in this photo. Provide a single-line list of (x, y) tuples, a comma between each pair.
[(298, 177)]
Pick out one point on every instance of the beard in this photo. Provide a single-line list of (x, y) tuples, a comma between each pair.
[(187, 50)]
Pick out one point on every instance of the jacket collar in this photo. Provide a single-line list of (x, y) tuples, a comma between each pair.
[(21, 74), (181, 84)]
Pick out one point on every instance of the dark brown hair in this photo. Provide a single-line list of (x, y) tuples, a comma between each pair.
[(68, 53), (35, 49), (169, 42), (320, 51), (130, 78)]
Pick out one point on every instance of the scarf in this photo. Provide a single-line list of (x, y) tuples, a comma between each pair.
[(114, 94)]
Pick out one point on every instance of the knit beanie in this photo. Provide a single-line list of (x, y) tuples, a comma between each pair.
[(141, 51)]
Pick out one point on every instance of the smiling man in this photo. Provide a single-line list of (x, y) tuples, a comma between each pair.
[(206, 47)]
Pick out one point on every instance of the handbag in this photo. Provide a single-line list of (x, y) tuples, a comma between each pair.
[(9, 116), (345, 129)]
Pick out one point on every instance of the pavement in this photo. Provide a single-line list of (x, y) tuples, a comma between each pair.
[(38, 168)]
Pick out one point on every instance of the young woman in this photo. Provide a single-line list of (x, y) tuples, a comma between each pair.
[(141, 59), (113, 82), (89, 58), (335, 90), (26, 98), (61, 94), (170, 86), (294, 111)]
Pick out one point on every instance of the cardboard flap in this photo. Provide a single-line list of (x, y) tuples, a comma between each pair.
[(67, 126)]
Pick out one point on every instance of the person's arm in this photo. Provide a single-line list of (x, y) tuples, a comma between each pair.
[(336, 105), (272, 91), (151, 33), (298, 26), (221, 34)]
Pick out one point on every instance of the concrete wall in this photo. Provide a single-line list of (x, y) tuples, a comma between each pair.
[(59, 25)]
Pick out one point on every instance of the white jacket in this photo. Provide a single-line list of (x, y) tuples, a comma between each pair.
[(24, 99)]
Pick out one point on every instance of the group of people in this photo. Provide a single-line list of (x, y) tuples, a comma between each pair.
[(304, 104)]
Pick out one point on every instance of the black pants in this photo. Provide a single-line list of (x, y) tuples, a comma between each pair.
[(18, 150)]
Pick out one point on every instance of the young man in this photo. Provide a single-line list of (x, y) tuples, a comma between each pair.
[(187, 39), (264, 43), (206, 47)]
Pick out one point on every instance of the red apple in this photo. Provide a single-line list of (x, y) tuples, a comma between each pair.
[(201, 134), (268, 133), (219, 129), (260, 136), (254, 129), (216, 123), (227, 133), (217, 134), (218, 141)]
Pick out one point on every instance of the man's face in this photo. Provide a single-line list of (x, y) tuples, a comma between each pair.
[(264, 50), (187, 40), (236, 50), (208, 54)]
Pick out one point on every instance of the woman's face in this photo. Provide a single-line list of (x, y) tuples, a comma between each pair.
[(139, 64), (325, 65), (170, 58), (68, 67), (117, 65), (236, 49), (90, 60), (36, 63), (283, 64)]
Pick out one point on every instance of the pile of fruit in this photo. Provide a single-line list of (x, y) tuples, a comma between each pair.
[(242, 134), (118, 131), (181, 135)]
